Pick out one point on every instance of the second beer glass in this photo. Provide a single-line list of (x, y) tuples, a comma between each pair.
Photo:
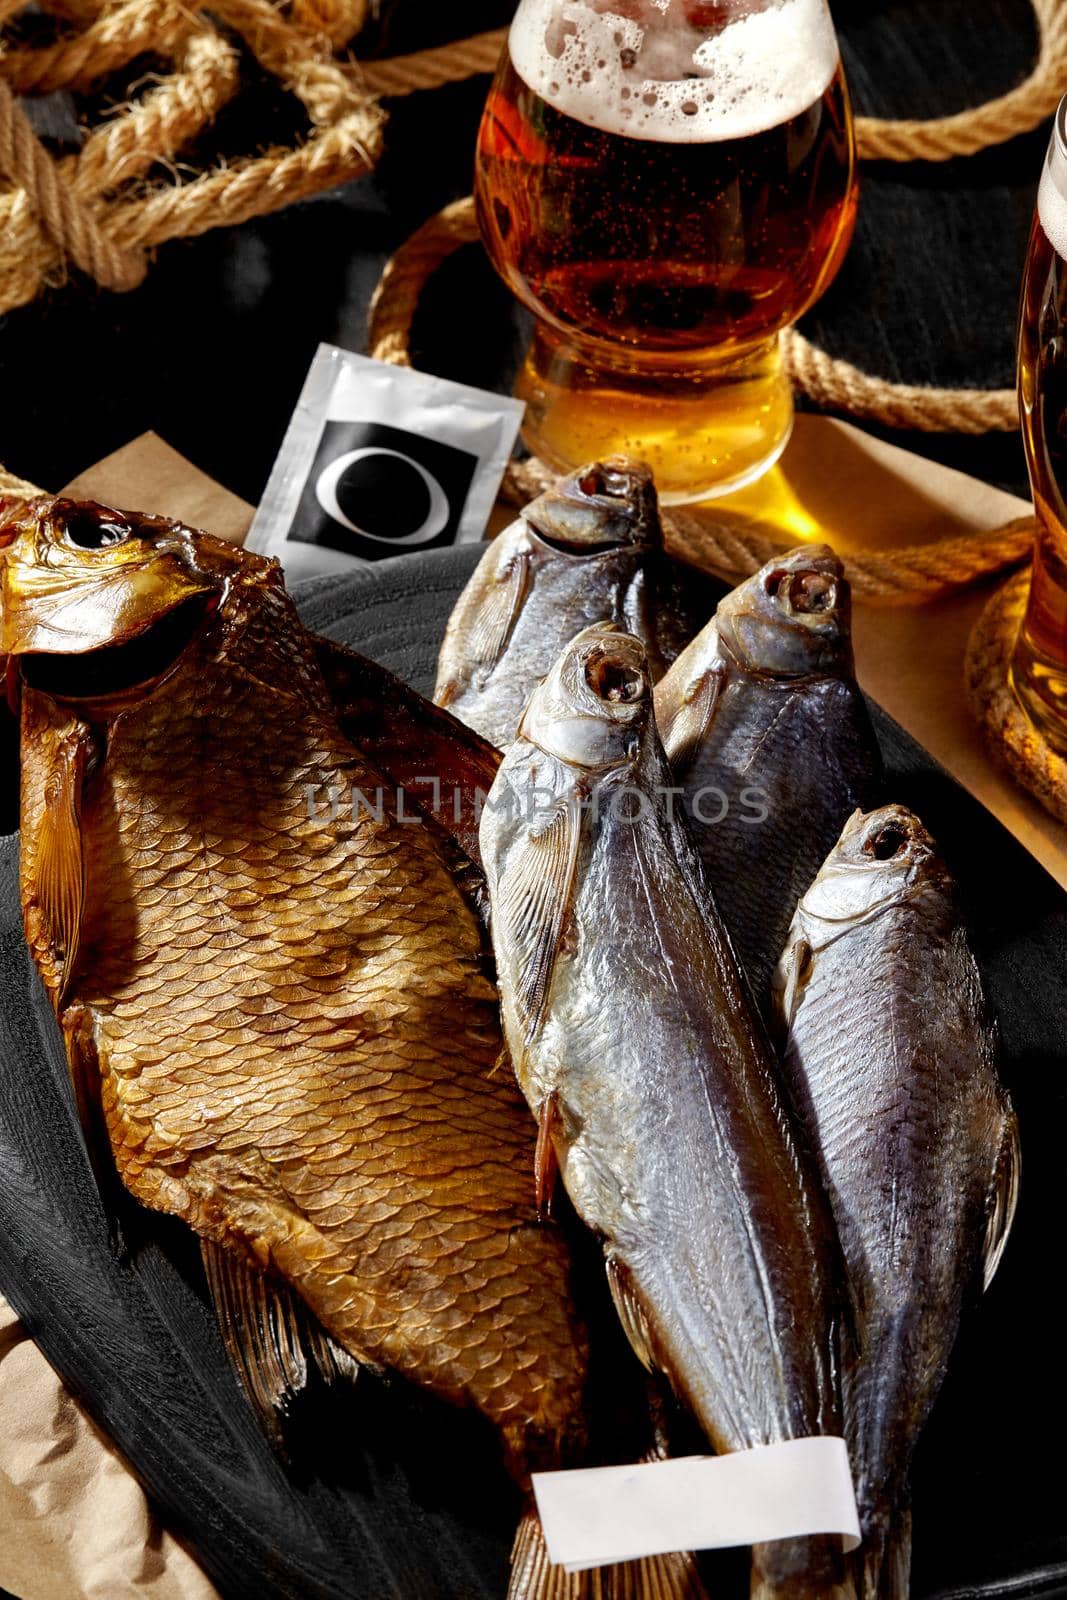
[(667, 185), (1039, 671)]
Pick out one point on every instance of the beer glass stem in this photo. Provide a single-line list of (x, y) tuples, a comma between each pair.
[(705, 424)]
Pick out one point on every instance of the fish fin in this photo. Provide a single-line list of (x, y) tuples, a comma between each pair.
[(690, 723), (496, 617), (269, 1336), (885, 1561), (84, 1067), (408, 738), (546, 1162), (792, 979), (630, 1311), (532, 907), (1003, 1200), (56, 891), (533, 1577)]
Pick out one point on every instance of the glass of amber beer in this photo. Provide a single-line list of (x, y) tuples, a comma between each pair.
[(667, 185), (1040, 667)]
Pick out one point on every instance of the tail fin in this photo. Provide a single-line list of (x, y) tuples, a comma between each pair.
[(814, 1568), (533, 1577), (887, 1562), (762, 1589)]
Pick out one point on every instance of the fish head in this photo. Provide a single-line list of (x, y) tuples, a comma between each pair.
[(95, 601), (793, 619), (593, 709), (605, 506), (881, 859)]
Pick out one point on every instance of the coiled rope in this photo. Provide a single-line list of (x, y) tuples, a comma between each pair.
[(708, 538), (97, 210)]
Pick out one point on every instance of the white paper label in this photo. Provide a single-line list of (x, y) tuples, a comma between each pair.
[(600, 1515)]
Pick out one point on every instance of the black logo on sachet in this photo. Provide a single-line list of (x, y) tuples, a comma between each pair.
[(375, 491)]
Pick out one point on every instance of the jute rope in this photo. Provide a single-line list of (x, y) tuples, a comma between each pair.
[(1011, 736), (87, 210), (709, 539), (96, 210), (830, 383)]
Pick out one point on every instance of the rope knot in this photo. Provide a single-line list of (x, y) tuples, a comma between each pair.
[(66, 219)]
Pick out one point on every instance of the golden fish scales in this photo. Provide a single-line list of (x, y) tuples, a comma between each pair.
[(289, 1020)]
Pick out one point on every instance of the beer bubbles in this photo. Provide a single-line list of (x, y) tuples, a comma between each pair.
[(667, 185)]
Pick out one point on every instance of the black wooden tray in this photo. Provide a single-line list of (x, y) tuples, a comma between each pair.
[(404, 1500)]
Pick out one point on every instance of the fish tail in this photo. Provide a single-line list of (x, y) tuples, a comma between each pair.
[(886, 1561), (533, 1577), (765, 1589), (802, 1569), (673, 1577)]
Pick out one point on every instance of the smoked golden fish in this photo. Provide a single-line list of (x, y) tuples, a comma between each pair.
[(280, 1028)]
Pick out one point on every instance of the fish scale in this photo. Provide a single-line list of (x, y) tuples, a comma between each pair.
[(637, 1049), (891, 1062), (280, 1024), (769, 735)]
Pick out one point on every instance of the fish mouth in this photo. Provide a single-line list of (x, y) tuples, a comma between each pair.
[(809, 592), (135, 665), (614, 673), (603, 507)]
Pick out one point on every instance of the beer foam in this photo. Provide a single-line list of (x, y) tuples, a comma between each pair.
[(669, 81), (1052, 201)]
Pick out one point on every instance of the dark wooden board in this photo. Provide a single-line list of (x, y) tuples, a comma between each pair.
[(392, 1498)]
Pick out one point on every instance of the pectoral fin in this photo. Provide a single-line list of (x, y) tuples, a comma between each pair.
[(688, 727), (52, 857), (270, 1337), (533, 906), (792, 979), (631, 1314), (1004, 1198), (498, 613), (546, 1162)]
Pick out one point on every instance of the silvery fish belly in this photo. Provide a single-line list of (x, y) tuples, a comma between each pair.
[(767, 731), (588, 551), (636, 1047), (892, 1063)]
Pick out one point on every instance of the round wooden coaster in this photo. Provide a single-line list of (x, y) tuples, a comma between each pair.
[(1008, 731)]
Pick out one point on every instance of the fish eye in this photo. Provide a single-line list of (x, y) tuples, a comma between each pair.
[(887, 842), (88, 531), (614, 680), (773, 583)]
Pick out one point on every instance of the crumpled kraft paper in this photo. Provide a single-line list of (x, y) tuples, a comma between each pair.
[(74, 1525), (73, 1521)]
